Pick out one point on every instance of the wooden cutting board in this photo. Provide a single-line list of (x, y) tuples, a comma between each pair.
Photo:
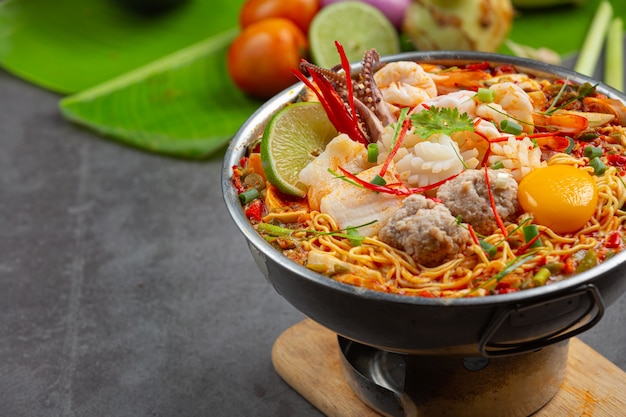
[(307, 357)]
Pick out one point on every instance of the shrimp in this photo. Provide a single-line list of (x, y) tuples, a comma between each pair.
[(405, 84), (510, 102)]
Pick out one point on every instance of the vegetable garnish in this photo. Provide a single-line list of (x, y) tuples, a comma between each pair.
[(345, 65), (344, 121), (396, 188), (531, 236), (344, 178), (510, 126), (372, 152), (378, 180), (355, 238), (511, 266), (351, 233), (589, 261), (592, 151), (402, 127), (485, 95), (541, 277), (598, 166), (489, 249), (274, 230), (248, 195), (440, 120), (551, 108), (583, 92)]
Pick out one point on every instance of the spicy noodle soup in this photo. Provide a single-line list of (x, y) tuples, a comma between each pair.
[(448, 181)]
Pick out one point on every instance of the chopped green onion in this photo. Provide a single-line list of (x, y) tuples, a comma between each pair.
[(614, 55), (355, 238), (378, 180), (587, 137), (254, 180), (593, 151), (510, 126), (598, 166), (489, 249), (589, 261), (541, 277), (592, 45), (372, 152), (273, 230), (531, 232), (485, 95), (571, 145), (248, 195), (554, 267), (497, 165)]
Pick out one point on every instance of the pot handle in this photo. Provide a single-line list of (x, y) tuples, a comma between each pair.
[(587, 297)]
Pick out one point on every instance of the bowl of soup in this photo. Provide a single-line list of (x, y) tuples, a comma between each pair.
[(463, 203)]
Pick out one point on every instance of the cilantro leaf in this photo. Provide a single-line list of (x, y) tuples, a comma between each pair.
[(440, 120)]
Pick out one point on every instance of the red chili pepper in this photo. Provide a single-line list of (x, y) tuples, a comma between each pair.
[(522, 249), (505, 69), (478, 66), (254, 211), (392, 190), (237, 179), (616, 160), (492, 201), (405, 126), (473, 234), (614, 240)]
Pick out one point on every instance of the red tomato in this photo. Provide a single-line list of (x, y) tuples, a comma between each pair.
[(300, 12), (260, 59)]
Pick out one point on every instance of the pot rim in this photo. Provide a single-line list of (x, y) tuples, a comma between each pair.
[(255, 123)]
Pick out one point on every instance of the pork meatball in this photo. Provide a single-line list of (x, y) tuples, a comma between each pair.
[(466, 195), (425, 230)]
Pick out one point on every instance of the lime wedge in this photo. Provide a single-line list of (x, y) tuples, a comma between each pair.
[(357, 26), (293, 138)]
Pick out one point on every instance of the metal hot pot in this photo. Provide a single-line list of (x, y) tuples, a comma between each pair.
[(531, 325)]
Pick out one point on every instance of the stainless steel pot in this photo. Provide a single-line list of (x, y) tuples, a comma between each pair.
[(492, 326)]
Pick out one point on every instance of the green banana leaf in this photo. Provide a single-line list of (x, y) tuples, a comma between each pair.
[(182, 105), (70, 45), (158, 81)]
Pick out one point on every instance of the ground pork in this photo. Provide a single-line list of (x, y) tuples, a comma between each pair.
[(467, 196), (425, 230)]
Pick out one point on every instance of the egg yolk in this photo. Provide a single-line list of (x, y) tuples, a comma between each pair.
[(561, 197)]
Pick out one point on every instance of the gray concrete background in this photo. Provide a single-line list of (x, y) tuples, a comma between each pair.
[(125, 289)]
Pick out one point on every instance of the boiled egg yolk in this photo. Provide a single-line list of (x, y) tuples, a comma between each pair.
[(561, 197)]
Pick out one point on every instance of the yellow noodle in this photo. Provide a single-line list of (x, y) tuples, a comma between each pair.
[(473, 273)]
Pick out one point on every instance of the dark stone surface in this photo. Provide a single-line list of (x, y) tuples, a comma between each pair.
[(125, 289)]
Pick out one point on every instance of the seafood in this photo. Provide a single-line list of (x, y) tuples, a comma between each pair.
[(427, 192), (405, 84), (511, 102)]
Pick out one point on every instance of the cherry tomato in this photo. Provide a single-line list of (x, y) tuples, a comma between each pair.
[(260, 59), (300, 12)]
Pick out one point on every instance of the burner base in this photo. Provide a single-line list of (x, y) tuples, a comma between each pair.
[(307, 357), (399, 385)]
